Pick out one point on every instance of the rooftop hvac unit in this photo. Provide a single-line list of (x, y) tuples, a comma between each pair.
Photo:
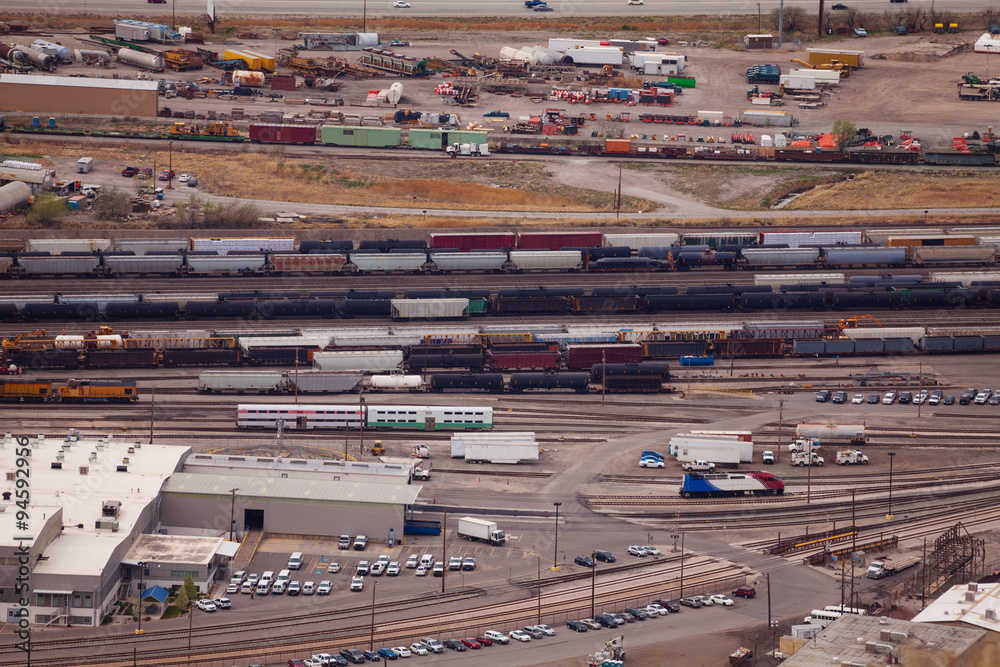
[(60, 456), (131, 450), (898, 636), (972, 586), (121, 469), (84, 470), (93, 456), (991, 614), (57, 465), (10, 476), (970, 596)]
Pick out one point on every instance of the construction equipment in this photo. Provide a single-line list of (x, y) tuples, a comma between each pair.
[(834, 65), (613, 650), (217, 129), (852, 322), (377, 448), (36, 341), (971, 79)]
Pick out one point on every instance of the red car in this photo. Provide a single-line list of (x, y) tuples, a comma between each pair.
[(471, 643), (484, 640), (130, 171), (745, 592), (166, 175)]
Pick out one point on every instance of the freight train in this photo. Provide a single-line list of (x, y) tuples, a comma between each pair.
[(714, 485), (335, 136), (72, 391)]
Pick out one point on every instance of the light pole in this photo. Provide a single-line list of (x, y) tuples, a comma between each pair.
[(142, 579), (593, 581), (371, 637), (892, 455), (555, 555), (232, 514)]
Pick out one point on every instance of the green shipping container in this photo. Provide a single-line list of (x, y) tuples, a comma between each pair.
[(375, 137), (467, 137), (681, 81)]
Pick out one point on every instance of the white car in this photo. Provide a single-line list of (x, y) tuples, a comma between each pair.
[(650, 462), (421, 571), (206, 605), (400, 5), (223, 603), (393, 569), (858, 398), (636, 2), (520, 635), (637, 551), (704, 599), (238, 577), (401, 651), (183, 178), (497, 637), (253, 578), (233, 588), (545, 630), (418, 648), (651, 611), (333, 569), (308, 588), (412, 562), (723, 600), (325, 587), (653, 551), (357, 584)]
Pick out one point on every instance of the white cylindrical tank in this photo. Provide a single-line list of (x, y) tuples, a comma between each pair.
[(101, 56), (367, 39), (109, 342), (517, 55), (394, 382), (147, 60), (67, 342), (39, 58), (544, 56), (53, 49), (395, 93), (248, 79), (14, 195)]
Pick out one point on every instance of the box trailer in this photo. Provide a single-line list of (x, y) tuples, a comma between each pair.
[(744, 447), (595, 55), (727, 454), (481, 529), (823, 77)]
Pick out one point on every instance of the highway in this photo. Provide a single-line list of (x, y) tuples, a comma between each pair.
[(458, 8)]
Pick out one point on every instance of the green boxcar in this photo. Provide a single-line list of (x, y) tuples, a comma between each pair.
[(455, 136), (374, 137)]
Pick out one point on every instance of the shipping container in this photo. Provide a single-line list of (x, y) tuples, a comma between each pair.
[(375, 137), (812, 238), (781, 257), (468, 261), (323, 382), (827, 56), (129, 32), (617, 145), (298, 263), (865, 256), (808, 347), (164, 264), (282, 134), (235, 264), (561, 260), (253, 59), (583, 356), (401, 261), (225, 245), (474, 241), (967, 254), (763, 118), (430, 309), (912, 240), (262, 382), (359, 360), (558, 240), (636, 241)]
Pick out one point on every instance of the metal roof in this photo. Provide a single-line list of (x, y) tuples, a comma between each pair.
[(306, 490), (78, 82)]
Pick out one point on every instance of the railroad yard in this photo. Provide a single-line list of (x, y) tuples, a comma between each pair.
[(543, 442)]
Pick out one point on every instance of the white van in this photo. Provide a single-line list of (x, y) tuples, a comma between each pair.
[(284, 575), (268, 576), (247, 587), (295, 561), (264, 587), (427, 560)]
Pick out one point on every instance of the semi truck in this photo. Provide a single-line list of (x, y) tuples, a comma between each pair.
[(886, 567), (480, 529), (852, 433), (851, 457)]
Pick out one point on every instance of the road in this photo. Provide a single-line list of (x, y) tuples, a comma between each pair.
[(378, 8)]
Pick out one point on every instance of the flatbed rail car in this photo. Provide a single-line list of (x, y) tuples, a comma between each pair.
[(394, 138), (339, 417)]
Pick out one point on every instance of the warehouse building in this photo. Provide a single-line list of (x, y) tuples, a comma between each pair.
[(91, 500), (33, 93), (326, 469), (287, 504), (971, 606), (167, 560)]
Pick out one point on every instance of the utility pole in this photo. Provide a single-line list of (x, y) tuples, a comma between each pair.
[(371, 636), (593, 580), (920, 386), (682, 566), (604, 375), (232, 514), (781, 23), (819, 21), (758, 18), (854, 524), (152, 403), (444, 547), (809, 472), (539, 559), (781, 407), (923, 587), (618, 203)]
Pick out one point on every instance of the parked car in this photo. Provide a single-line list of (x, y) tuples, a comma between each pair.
[(308, 588), (704, 599), (823, 396), (412, 562), (604, 556), (421, 571), (873, 398), (585, 561), (650, 462), (723, 600), (364, 567), (669, 605), (531, 631), (607, 621), (233, 588), (378, 569), (520, 635), (432, 645), (454, 644), (402, 651), (192, 182), (860, 32), (949, 400), (360, 543), (183, 178), (334, 568), (371, 656), (889, 398), (935, 398), (635, 550), (497, 637), (484, 640), (652, 551), (640, 614), (294, 588), (694, 603), (130, 171), (858, 399), (576, 626), (388, 654), (324, 587), (745, 592), (654, 610), (353, 655), (545, 630), (454, 563), (591, 623), (905, 397), (393, 569), (206, 605), (840, 397), (166, 175), (344, 542), (438, 569), (418, 648), (470, 642), (469, 563), (357, 584)]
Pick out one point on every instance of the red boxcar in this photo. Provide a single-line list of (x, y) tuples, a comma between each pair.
[(298, 263), (583, 356), (505, 361), (559, 240), (283, 134), (468, 242)]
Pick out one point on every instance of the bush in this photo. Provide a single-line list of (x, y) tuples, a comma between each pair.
[(47, 211), (113, 204)]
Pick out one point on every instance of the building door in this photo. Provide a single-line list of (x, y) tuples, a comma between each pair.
[(253, 519)]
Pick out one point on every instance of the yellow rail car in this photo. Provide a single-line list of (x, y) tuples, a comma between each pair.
[(27, 391)]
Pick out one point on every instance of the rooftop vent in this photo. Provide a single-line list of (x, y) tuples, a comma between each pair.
[(84, 470), (991, 614), (57, 465)]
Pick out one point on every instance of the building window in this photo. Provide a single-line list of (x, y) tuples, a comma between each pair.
[(46, 600)]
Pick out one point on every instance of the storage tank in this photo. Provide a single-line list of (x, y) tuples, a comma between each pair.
[(39, 58), (517, 55), (53, 49), (395, 93), (13, 196), (139, 59), (394, 382), (80, 54), (13, 54), (248, 79)]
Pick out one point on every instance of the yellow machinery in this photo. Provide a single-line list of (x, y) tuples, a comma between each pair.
[(217, 129), (852, 322), (378, 449), (34, 341)]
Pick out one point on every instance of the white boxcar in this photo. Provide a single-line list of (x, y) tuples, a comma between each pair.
[(819, 237), (311, 340), (57, 246), (636, 241), (359, 360), (325, 382), (966, 278), (410, 309), (125, 265), (262, 382), (225, 245), (145, 246), (545, 260), (205, 264), (390, 261), (684, 441), (499, 452), (375, 340), (469, 261), (781, 256), (776, 280), (916, 334)]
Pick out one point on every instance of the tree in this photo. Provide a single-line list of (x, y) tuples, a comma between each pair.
[(181, 600), (47, 211), (843, 133), (190, 588), (113, 204), (795, 19)]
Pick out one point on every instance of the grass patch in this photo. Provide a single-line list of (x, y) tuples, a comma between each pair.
[(895, 190), (173, 611)]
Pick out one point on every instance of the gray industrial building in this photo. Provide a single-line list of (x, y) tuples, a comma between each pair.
[(286, 505), (168, 560), (327, 469)]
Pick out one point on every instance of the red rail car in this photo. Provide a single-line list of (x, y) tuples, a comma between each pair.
[(559, 240), (509, 361), (296, 263), (470, 242), (583, 356), (283, 134)]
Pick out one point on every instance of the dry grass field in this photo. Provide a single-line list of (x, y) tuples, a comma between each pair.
[(894, 190)]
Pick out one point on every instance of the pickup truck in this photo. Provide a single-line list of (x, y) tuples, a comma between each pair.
[(698, 466)]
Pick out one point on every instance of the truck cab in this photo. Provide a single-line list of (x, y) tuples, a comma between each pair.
[(698, 466)]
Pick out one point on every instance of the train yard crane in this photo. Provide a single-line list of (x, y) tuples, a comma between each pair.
[(852, 322)]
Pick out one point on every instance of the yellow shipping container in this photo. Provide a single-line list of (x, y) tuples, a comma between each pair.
[(255, 61)]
